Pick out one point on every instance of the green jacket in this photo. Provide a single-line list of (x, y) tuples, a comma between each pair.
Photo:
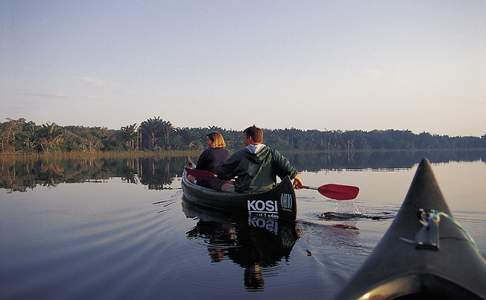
[(256, 170)]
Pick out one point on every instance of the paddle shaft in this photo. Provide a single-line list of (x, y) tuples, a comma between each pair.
[(309, 188)]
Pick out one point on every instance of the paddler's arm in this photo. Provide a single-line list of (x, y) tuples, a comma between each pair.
[(228, 169), (283, 167)]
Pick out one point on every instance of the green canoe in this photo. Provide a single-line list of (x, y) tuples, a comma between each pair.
[(278, 203)]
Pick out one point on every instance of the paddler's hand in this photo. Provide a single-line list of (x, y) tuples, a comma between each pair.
[(298, 183), (191, 178)]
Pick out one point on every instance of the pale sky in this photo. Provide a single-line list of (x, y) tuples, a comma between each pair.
[(418, 65)]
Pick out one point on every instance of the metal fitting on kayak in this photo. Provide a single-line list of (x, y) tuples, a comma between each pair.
[(427, 237)]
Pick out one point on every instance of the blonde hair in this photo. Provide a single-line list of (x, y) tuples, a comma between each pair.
[(217, 140)]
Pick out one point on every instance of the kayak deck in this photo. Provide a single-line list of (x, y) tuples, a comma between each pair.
[(421, 258)]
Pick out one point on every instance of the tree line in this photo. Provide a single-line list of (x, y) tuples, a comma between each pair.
[(156, 134)]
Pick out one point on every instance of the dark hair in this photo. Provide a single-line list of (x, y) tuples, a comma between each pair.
[(255, 133)]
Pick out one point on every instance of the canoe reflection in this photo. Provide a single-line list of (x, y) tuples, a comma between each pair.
[(254, 244)]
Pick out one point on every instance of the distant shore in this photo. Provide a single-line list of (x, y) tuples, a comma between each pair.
[(187, 153), (98, 154)]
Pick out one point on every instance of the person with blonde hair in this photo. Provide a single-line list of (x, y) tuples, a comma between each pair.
[(215, 154)]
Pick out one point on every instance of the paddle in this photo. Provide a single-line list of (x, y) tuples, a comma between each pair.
[(336, 191), (332, 191)]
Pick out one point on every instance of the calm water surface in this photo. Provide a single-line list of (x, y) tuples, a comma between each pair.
[(119, 229)]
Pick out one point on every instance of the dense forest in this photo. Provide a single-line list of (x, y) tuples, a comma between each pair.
[(156, 134)]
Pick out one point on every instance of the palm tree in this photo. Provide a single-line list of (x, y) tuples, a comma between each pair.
[(153, 130), (50, 137), (129, 136), (8, 131), (167, 130), (28, 136), (147, 130)]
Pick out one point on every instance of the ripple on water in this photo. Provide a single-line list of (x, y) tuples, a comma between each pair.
[(90, 257)]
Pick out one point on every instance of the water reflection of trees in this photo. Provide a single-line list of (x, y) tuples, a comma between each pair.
[(21, 175), (159, 172), (253, 244), (377, 160)]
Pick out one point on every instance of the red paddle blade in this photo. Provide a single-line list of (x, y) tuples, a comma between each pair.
[(200, 173), (338, 191)]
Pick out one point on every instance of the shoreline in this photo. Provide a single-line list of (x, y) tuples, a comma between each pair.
[(383, 150), (193, 153), (97, 155)]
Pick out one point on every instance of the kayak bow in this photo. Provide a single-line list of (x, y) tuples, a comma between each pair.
[(424, 254)]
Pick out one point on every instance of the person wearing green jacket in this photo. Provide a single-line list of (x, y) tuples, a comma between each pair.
[(256, 166)]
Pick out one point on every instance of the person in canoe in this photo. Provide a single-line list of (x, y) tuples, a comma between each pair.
[(255, 167), (210, 158)]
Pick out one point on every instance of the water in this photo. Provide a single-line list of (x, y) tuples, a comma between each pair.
[(118, 229)]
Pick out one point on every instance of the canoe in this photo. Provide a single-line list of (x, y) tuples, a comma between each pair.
[(424, 254), (278, 203)]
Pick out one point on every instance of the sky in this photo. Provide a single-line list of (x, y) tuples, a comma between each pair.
[(327, 65)]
